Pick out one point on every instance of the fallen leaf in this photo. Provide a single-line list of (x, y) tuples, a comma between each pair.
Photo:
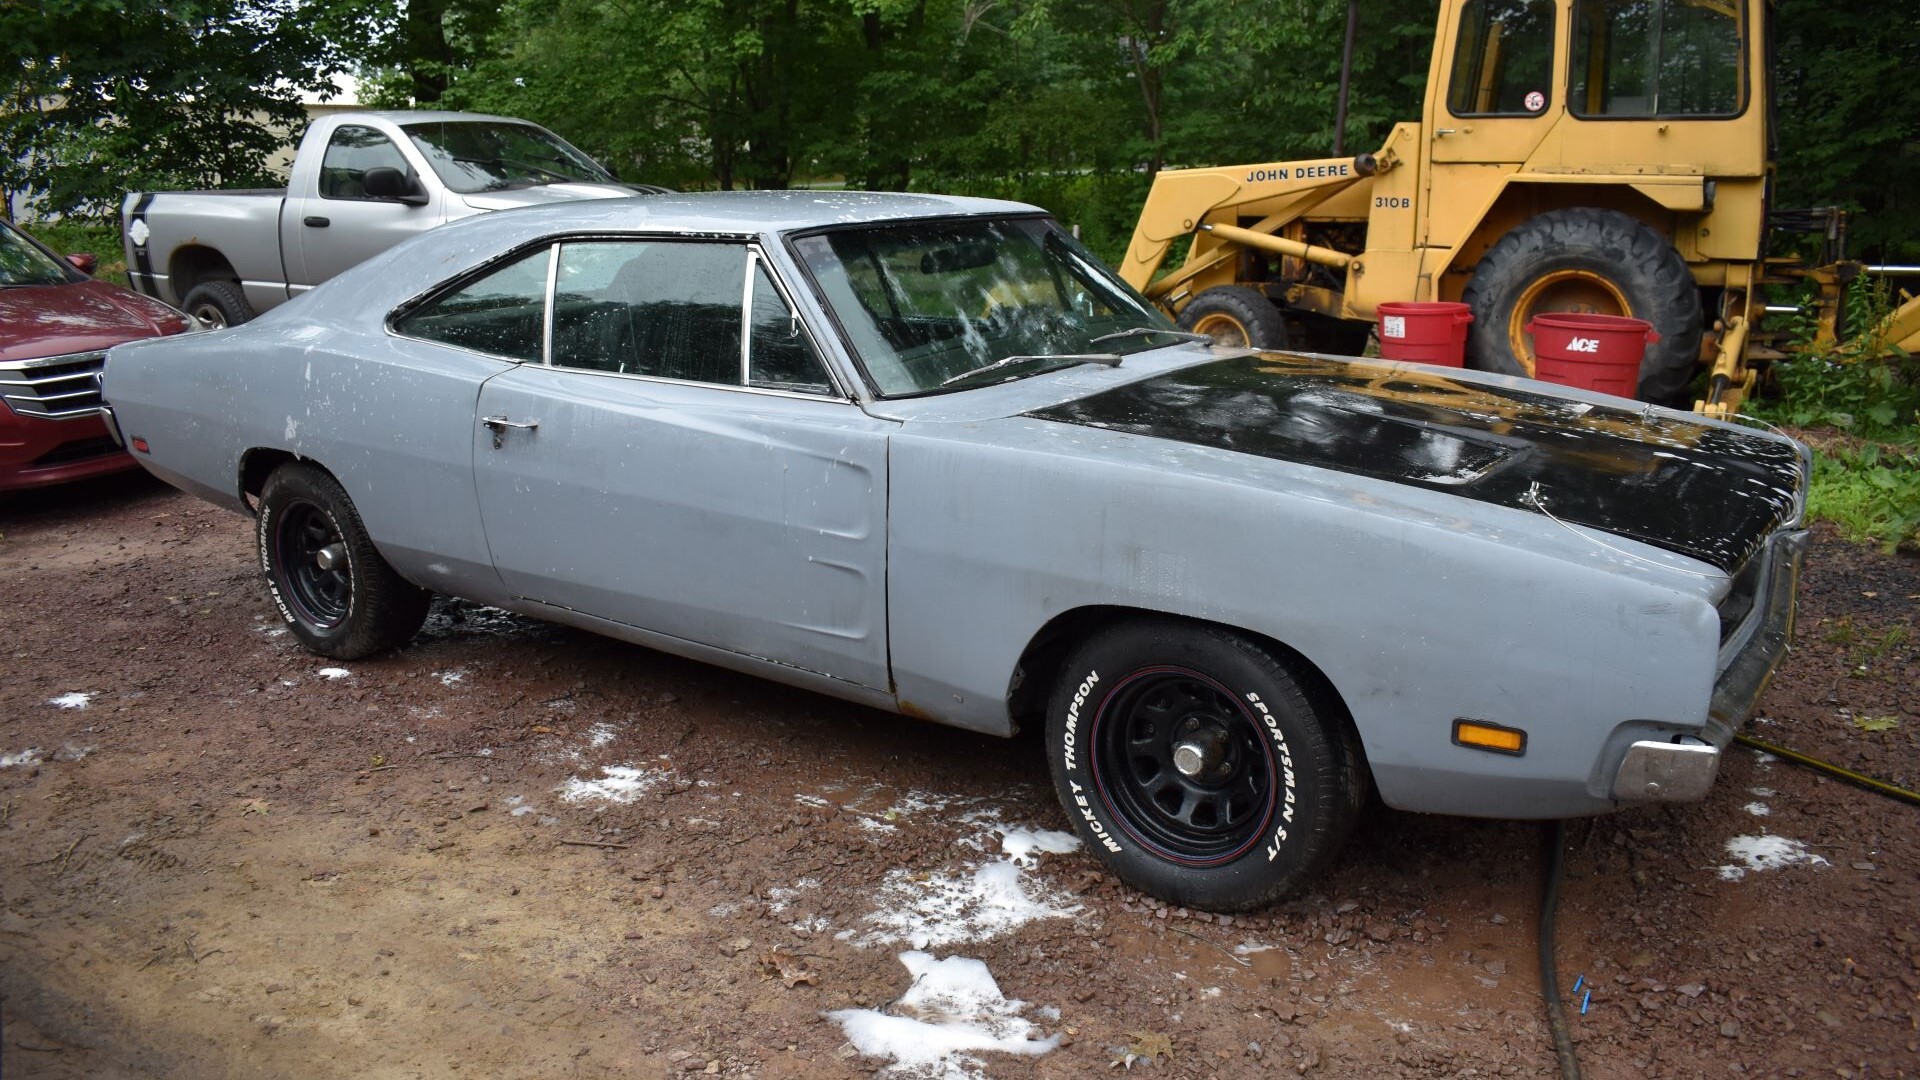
[(1876, 723), (253, 806), (780, 963), (1150, 1046), (378, 760), (542, 729)]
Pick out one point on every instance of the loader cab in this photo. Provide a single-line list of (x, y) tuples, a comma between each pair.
[(1603, 87)]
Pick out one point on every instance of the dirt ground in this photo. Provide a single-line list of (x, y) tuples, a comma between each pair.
[(224, 857)]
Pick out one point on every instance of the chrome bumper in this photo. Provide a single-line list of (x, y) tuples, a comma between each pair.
[(113, 426)]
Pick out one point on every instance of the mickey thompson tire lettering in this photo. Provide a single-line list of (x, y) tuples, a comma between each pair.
[(1272, 779)]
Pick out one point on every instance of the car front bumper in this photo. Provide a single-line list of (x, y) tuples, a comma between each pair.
[(35, 452), (1683, 769)]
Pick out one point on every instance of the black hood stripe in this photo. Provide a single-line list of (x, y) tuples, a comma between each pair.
[(1704, 491)]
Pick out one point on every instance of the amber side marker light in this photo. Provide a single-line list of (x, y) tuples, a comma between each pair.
[(140, 445), (1480, 735)]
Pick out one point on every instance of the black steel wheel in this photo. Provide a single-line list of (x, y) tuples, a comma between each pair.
[(1202, 766), (1185, 765), (312, 556), (339, 596)]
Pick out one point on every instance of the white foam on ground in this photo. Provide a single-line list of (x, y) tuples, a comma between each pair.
[(976, 900), (618, 783), (1765, 853), (1758, 809), (30, 756), (811, 800), (448, 678), (1022, 844), (953, 1011), (333, 673), (600, 735), (74, 700), (948, 908)]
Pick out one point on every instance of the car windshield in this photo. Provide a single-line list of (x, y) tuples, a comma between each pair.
[(23, 263), (490, 155), (934, 305)]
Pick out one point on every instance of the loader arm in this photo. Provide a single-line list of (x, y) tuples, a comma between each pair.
[(1182, 200)]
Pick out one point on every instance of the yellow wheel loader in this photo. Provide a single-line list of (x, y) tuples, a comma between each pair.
[(1605, 156)]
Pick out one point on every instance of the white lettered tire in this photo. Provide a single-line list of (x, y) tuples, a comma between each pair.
[(1199, 765)]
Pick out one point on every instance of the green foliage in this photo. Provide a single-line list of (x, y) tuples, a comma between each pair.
[(103, 96), (1871, 492), (1848, 117), (74, 235)]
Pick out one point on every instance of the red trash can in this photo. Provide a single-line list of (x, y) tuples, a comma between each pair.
[(1424, 332), (1592, 352)]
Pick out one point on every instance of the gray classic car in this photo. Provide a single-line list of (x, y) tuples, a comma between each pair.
[(928, 455)]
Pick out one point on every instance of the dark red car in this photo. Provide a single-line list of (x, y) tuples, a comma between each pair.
[(56, 325)]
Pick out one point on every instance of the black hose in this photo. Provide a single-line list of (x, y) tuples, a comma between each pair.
[(1549, 971), (1851, 777)]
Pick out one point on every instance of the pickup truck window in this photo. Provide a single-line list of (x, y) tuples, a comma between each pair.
[(490, 155), (502, 314), (350, 153)]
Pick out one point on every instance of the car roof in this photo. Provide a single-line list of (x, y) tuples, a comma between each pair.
[(731, 212)]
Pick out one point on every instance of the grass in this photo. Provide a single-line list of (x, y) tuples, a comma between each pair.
[(1860, 411)]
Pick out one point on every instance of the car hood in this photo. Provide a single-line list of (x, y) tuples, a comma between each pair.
[(546, 194), (1709, 492), (52, 320)]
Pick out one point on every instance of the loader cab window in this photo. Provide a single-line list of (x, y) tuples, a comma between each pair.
[(1656, 58), (1503, 59)]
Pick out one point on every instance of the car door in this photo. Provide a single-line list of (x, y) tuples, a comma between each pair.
[(339, 225), (683, 462)]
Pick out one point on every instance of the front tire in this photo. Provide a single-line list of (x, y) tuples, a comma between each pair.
[(1593, 261), (338, 595), (1199, 767)]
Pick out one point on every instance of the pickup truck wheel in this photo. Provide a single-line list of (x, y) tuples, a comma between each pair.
[(1198, 766), (336, 592), (218, 304)]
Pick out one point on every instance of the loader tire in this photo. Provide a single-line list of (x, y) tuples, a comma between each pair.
[(1586, 260), (1236, 315)]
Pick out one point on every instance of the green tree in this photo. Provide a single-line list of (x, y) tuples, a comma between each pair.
[(103, 96)]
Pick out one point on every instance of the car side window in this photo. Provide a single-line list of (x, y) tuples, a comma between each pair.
[(780, 355), (665, 308), (350, 153), (502, 313)]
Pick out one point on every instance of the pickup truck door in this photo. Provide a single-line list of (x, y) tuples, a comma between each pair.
[(656, 474), (334, 224)]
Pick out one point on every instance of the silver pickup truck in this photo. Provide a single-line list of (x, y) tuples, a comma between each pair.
[(361, 183)]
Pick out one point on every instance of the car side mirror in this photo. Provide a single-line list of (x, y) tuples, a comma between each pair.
[(84, 263), (383, 182)]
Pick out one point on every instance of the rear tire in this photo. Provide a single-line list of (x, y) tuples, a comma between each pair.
[(338, 595), (1597, 261), (1198, 766), (1236, 315), (218, 304)]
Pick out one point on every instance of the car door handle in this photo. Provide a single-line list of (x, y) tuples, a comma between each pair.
[(315, 221), (499, 425)]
